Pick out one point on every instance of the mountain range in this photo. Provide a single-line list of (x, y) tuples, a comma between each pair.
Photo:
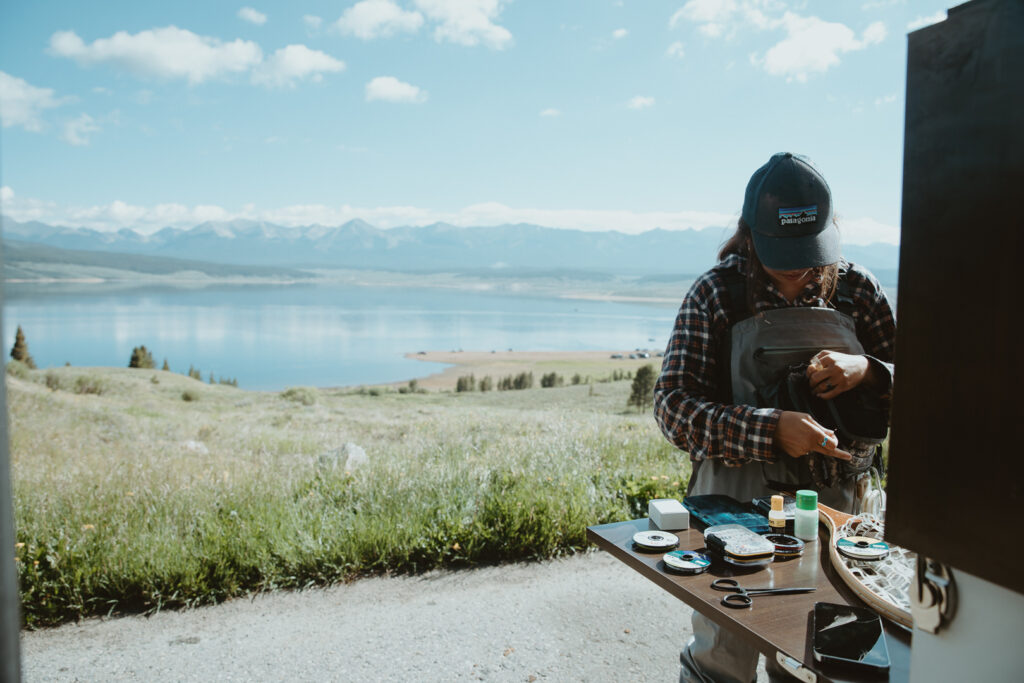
[(440, 247)]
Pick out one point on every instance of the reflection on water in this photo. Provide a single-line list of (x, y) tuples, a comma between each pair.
[(277, 336)]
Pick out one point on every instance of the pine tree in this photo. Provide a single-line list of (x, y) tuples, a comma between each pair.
[(141, 358), (643, 388), (20, 352), (166, 367)]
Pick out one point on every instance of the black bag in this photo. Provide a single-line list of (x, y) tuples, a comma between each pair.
[(859, 417)]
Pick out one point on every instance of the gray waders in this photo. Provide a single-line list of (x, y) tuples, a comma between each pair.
[(762, 347)]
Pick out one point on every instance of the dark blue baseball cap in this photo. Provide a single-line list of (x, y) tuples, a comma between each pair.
[(788, 206)]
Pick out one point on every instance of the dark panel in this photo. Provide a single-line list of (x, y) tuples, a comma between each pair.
[(957, 462)]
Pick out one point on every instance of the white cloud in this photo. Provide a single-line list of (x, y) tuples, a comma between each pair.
[(711, 15), (813, 46), (292, 64), (886, 99), (390, 89), (120, 214), (874, 33), (77, 131), (168, 52), (467, 22), (619, 33), (640, 102), (312, 22), (921, 22), (676, 50), (252, 16), (551, 112), (22, 104), (371, 19)]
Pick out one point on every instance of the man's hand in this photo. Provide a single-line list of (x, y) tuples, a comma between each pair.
[(797, 435)]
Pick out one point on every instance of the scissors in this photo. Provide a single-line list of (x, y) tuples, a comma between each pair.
[(740, 597)]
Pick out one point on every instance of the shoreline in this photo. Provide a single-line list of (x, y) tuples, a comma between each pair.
[(498, 364)]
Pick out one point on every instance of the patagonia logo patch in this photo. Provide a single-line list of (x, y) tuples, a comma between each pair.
[(798, 215)]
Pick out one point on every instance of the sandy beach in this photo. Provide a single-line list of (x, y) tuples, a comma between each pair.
[(497, 364)]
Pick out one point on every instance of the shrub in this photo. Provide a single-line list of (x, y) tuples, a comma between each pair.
[(551, 380), (16, 368), (19, 351), (53, 382), (643, 388), (154, 380), (486, 384), (305, 395), (465, 383), (90, 384), (190, 395), (141, 358)]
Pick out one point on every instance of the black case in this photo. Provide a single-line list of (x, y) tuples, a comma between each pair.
[(714, 509)]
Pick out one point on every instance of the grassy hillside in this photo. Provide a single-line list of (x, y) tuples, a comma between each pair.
[(28, 261), (130, 498)]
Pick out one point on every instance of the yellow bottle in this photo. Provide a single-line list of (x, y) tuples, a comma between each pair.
[(776, 516)]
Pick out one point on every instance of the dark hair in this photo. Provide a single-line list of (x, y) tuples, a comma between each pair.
[(742, 244)]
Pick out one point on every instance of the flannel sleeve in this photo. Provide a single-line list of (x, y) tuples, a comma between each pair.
[(877, 327), (683, 406)]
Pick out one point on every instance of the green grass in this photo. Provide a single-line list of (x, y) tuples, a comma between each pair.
[(133, 500)]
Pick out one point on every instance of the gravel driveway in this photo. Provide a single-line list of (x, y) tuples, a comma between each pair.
[(587, 617)]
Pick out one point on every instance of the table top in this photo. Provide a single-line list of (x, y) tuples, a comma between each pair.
[(773, 622)]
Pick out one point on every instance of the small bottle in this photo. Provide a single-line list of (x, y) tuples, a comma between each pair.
[(805, 522), (776, 516)]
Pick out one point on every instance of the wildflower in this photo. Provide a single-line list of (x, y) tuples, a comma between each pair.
[(664, 476), (675, 483), (654, 479), (88, 527), (19, 546), (129, 493), (456, 546)]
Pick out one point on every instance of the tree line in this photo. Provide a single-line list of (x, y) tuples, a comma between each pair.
[(141, 358)]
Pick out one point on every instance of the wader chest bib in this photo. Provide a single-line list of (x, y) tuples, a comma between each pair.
[(761, 348)]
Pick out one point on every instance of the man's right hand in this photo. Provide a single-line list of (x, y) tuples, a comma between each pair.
[(798, 434)]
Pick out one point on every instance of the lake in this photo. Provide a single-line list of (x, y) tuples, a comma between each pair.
[(276, 336)]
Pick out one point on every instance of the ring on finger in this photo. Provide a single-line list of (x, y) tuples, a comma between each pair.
[(824, 441)]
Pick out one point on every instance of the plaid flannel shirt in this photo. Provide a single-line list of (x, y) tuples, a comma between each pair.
[(684, 395)]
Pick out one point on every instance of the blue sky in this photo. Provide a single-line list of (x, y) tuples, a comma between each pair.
[(591, 114)]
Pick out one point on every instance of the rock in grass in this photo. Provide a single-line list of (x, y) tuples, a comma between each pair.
[(196, 447), (350, 457), (355, 456)]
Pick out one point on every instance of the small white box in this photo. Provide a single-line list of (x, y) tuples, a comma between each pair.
[(668, 514)]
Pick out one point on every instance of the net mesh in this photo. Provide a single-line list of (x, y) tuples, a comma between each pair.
[(890, 577)]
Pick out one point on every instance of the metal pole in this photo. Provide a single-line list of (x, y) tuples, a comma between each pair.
[(10, 618)]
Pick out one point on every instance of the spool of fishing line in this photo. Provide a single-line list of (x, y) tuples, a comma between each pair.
[(686, 562), (862, 548), (655, 541), (786, 546)]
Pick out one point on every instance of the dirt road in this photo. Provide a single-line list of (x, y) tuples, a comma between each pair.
[(585, 618)]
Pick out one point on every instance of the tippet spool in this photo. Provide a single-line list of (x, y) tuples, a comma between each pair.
[(655, 541), (862, 548), (786, 546), (686, 562)]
